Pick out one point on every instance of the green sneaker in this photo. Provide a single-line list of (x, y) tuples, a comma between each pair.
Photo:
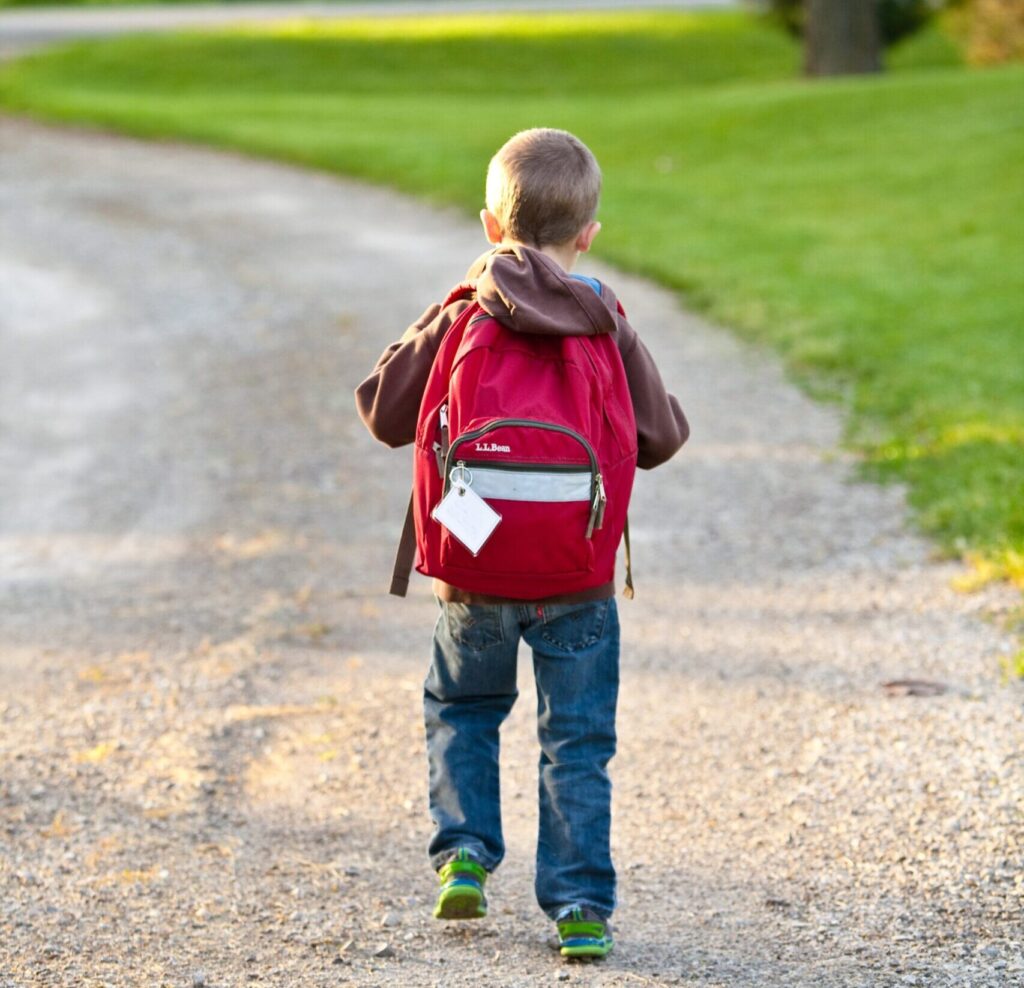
[(583, 933), (462, 888)]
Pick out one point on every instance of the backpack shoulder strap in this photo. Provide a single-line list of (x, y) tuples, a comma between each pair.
[(465, 289), (629, 593), (405, 557)]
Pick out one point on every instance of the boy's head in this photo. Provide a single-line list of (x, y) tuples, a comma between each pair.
[(542, 190)]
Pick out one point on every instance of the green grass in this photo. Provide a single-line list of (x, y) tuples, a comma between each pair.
[(868, 228)]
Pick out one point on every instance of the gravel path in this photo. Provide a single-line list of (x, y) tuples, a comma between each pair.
[(211, 761), (34, 27)]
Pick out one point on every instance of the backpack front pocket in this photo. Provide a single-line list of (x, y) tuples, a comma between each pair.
[(549, 504)]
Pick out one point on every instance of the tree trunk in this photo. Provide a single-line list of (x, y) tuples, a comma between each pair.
[(841, 37)]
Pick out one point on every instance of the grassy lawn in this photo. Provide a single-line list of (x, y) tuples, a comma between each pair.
[(870, 229)]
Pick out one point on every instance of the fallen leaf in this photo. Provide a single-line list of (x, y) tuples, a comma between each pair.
[(103, 750), (58, 826), (93, 674), (315, 632), (914, 687)]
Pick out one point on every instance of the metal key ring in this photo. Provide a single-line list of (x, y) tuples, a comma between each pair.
[(464, 479)]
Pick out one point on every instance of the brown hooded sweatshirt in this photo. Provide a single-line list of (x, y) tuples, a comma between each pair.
[(526, 291)]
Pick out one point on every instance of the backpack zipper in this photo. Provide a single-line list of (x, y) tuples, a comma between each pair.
[(441, 448), (598, 498), (515, 466)]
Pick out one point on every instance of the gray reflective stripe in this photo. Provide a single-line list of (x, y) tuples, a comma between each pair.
[(530, 485)]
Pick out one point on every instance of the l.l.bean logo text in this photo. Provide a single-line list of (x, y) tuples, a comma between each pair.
[(492, 448)]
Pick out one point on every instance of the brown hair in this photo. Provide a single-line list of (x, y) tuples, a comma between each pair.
[(543, 186)]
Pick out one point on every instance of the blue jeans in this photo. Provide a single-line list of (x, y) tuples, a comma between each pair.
[(469, 692)]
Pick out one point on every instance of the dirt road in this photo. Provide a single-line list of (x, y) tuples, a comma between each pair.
[(211, 762), (34, 27)]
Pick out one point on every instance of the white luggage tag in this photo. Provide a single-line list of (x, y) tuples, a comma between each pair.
[(465, 514)]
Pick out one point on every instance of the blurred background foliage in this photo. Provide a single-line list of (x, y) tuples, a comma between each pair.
[(991, 31), (898, 19)]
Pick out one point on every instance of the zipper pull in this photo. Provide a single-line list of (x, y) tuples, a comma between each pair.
[(441, 448), (596, 507)]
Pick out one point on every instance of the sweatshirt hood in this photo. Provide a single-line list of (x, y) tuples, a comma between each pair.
[(527, 291)]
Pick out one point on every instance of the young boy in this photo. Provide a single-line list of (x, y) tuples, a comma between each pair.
[(542, 195)]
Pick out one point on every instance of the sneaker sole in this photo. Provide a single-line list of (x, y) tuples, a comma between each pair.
[(588, 949), (461, 903)]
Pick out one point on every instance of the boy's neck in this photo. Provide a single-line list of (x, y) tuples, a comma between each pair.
[(564, 256)]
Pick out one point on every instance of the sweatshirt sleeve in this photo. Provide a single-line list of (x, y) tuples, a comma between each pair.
[(661, 425), (388, 401)]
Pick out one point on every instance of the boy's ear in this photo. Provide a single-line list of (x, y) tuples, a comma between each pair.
[(492, 228), (586, 236)]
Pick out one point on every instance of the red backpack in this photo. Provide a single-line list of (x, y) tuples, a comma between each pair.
[(542, 429)]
